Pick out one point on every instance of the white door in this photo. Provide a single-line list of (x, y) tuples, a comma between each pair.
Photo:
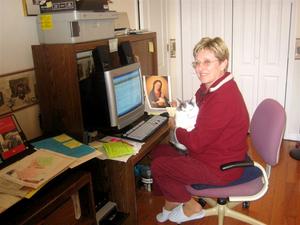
[(246, 48), (201, 18), (257, 34), (153, 17), (260, 49)]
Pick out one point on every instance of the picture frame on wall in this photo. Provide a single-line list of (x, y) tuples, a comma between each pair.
[(31, 7), (17, 91), (297, 49)]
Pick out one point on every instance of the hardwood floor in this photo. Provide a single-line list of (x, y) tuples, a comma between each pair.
[(280, 206)]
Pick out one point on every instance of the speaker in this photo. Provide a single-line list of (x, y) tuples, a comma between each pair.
[(125, 53), (102, 59)]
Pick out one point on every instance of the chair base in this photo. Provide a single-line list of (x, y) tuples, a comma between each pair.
[(225, 210), (295, 153)]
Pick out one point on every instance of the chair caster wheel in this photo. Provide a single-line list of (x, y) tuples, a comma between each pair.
[(246, 205), (202, 202)]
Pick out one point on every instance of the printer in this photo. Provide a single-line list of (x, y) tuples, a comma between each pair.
[(75, 26)]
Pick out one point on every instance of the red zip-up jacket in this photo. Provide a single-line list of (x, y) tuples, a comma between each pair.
[(220, 133)]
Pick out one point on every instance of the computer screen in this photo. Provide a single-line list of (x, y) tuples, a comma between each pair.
[(125, 95), (127, 92)]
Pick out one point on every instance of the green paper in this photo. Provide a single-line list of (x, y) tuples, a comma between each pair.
[(117, 149)]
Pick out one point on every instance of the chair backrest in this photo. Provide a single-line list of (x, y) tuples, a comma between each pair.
[(266, 130)]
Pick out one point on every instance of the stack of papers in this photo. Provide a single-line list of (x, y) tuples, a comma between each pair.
[(68, 146), (99, 145), (37, 169), (24, 177)]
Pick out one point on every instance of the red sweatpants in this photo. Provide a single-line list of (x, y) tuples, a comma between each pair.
[(172, 171)]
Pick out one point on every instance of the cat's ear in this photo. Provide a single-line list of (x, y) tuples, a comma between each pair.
[(179, 105), (179, 101), (192, 100)]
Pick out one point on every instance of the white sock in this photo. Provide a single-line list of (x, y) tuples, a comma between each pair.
[(163, 216), (177, 215)]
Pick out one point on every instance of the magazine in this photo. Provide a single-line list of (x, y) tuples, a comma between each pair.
[(11, 142)]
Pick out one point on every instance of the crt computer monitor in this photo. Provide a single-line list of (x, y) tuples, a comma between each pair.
[(119, 97)]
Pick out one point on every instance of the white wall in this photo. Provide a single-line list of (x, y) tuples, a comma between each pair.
[(129, 6), (298, 19), (17, 34), (293, 84)]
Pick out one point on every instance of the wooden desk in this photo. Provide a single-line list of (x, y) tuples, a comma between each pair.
[(122, 180), (53, 203)]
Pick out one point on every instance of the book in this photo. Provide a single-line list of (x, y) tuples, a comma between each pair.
[(36, 169), (11, 142), (64, 144)]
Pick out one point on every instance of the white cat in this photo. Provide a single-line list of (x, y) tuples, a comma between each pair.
[(185, 117)]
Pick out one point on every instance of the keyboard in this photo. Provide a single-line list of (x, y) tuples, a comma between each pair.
[(145, 128)]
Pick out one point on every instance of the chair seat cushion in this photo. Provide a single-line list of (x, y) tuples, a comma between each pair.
[(249, 183), (250, 173)]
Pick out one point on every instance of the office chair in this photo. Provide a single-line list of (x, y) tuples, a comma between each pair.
[(266, 132)]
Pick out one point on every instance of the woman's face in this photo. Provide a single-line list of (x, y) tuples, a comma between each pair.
[(208, 68)]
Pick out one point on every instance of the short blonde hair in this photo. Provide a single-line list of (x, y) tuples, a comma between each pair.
[(216, 45)]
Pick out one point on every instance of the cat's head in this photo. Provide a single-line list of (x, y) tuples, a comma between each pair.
[(186, 105)]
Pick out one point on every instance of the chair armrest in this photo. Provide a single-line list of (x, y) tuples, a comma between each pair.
[(237, 164), (259, 194)]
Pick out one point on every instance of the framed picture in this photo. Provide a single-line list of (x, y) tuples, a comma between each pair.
[(17, 91), (297, 49), (31, 7), (158, 91)]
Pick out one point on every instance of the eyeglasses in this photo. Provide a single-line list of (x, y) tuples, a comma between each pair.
[(205, 63)]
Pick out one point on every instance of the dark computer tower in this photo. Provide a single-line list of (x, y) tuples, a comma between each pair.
[(125, 53)]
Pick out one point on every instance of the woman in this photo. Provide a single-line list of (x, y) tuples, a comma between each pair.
[(219, 137), (156, 97)]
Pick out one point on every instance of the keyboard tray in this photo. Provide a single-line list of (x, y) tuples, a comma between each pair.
[(145, 128)]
